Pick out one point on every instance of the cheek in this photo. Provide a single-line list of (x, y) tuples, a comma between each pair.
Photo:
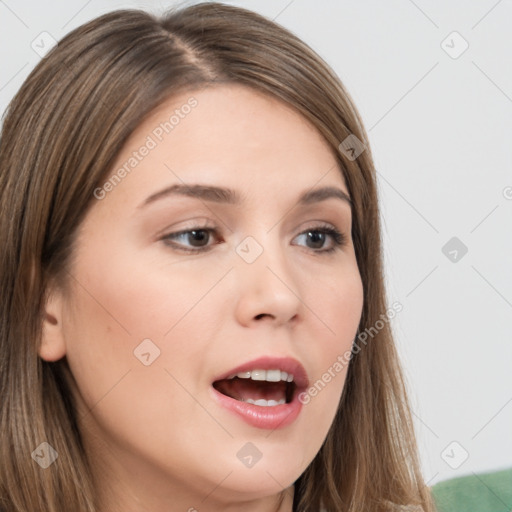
[(336, 302), (133, 302), (339, 307), (110, 316), (124, 314), (110, 313)]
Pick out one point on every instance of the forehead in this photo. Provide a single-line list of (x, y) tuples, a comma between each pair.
[(228, 135)]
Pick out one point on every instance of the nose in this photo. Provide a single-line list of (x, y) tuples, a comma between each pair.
[(266, 287)]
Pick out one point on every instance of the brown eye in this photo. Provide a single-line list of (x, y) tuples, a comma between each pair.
[(319, 235), (190, 240)]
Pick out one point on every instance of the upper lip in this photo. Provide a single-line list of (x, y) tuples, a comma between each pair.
[(285, 364)]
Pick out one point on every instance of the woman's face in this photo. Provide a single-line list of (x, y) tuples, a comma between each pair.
[(154, 318)]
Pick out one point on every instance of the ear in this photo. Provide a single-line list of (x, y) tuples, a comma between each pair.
[(53, 346)]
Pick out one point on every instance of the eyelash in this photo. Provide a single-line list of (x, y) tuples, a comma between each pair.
[(339, 239)]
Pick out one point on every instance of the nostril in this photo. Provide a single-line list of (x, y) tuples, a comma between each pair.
[(261, 315)]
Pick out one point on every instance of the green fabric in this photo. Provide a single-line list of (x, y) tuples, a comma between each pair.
[(489, 492)]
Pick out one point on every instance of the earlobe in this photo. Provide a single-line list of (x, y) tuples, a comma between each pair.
[(53, 346)]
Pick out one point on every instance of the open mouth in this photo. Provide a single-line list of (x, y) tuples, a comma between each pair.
[(263, 392), (259, 387)]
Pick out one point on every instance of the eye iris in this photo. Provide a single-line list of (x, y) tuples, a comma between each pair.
[(194, 237), (317, 236)]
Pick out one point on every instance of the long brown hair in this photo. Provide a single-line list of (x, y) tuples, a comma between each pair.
[(61, 134)]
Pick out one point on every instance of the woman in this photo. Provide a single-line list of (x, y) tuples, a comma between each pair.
[(192, 266)]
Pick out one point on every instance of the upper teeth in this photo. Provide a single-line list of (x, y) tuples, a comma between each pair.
[(268, 375)]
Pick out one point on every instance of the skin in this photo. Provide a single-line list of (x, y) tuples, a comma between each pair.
[(156, 438)]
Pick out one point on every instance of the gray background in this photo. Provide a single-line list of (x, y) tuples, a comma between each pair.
[(440, 128)]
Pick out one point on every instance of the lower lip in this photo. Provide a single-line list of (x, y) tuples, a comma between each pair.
[(271, 417)]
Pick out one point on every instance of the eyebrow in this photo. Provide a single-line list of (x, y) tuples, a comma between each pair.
[(232, 197)]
